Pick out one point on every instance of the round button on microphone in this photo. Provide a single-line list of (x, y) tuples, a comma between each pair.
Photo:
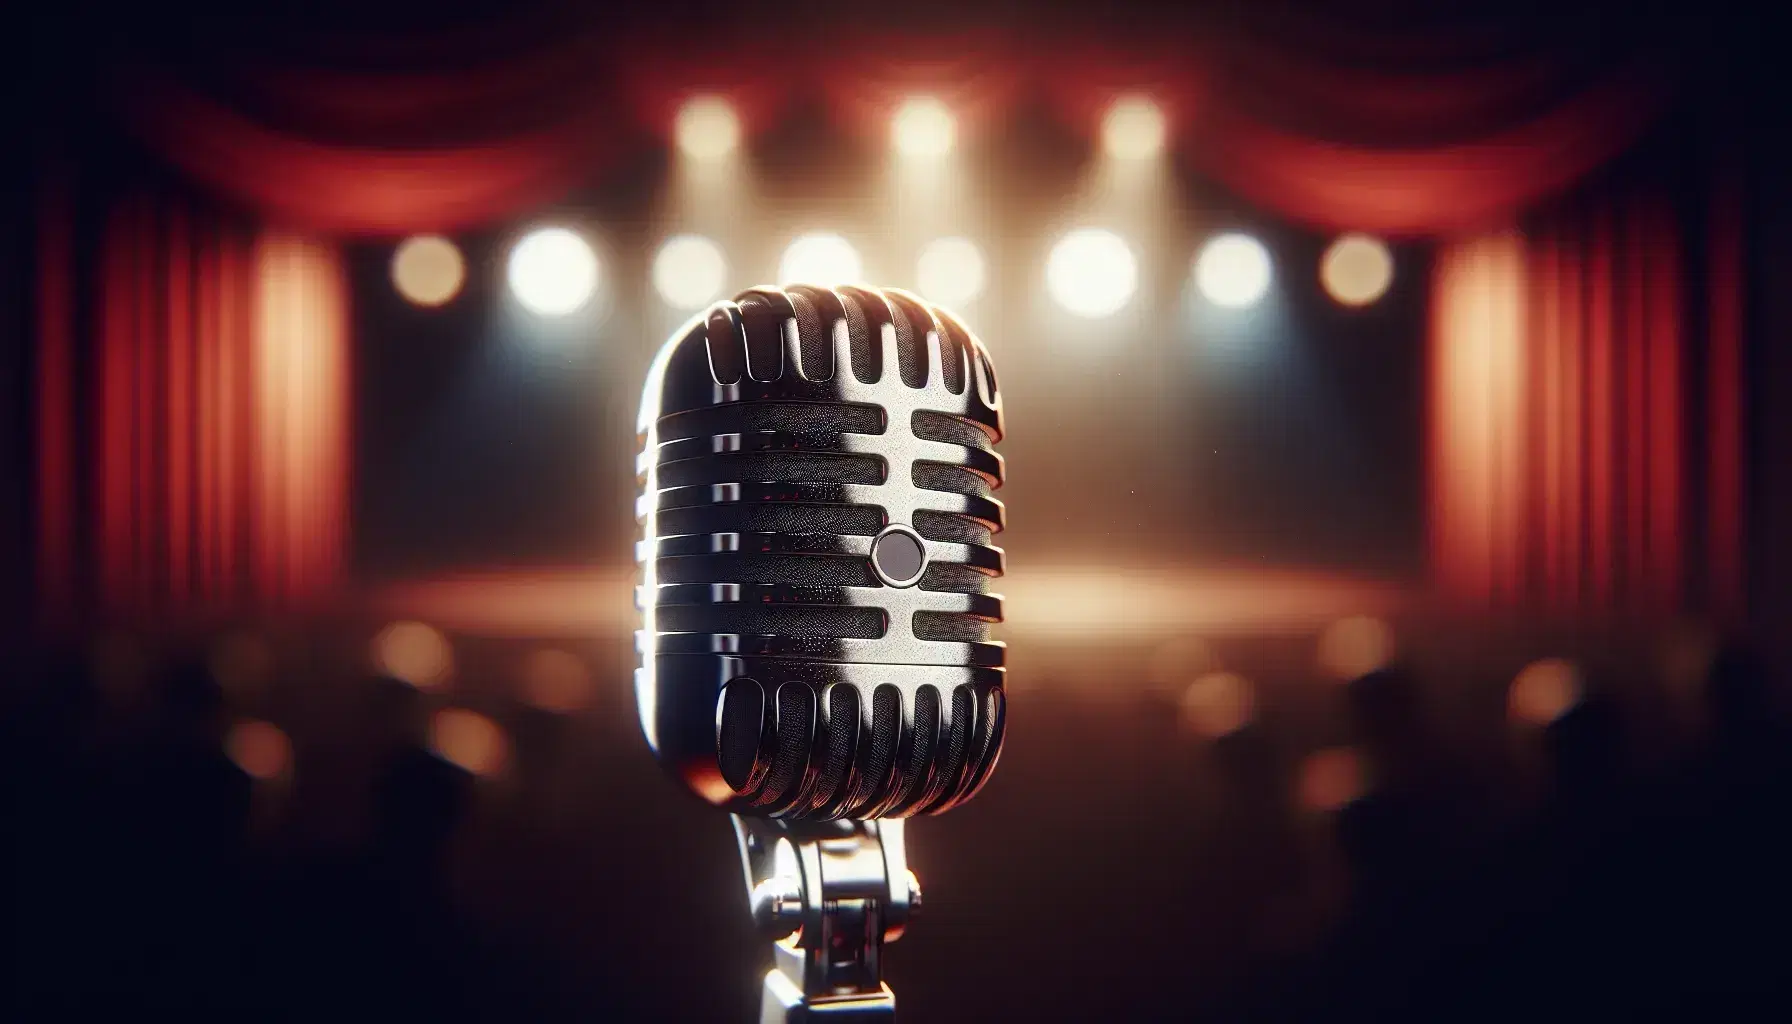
[(898, 556)]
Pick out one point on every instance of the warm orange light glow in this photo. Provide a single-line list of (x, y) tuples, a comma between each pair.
[(1218, 704), (428, 269), (1133, 129), (1331, 779), (1544, 691), (555, 680), (260, 749), (1356, 270), (707, 128), (301, 418), (924, 129), (1134, 601), (470, 740), (415, 653), (1478, 370), (1354, 647)]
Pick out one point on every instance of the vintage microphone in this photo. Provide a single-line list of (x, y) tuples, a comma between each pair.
[(816, 475)]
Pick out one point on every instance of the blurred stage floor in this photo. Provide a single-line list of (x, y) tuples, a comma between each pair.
[(1069, 602)]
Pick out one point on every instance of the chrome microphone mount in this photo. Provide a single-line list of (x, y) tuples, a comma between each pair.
[(829, 894)]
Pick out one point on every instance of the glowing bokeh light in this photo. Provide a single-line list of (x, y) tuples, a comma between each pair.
[(950, 271), (1354, 647), (1218, 704), (428, 270), (1330, 780), (260, 749), (1543, 691), (470, 740), (923, 128), (557, 681), (1133, 129), (1233, 271), (553, 272), (689, 271), (1092, 273), (1356, 269), (820, 259), (414, 653), (707, 128)]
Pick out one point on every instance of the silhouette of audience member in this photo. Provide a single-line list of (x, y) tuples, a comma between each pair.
[(169, 860)]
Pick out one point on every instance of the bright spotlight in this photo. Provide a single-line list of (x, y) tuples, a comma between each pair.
[(1233, 271), (689, 271), (707, 128), (1356, 269), (1133, 129), (1092, 273), (950, 272), (553, 271), (428, 269), (820, 259), (924, 128)]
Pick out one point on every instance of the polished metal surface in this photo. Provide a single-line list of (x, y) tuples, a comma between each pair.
[(816, 474), (697, 562), (829, 895)]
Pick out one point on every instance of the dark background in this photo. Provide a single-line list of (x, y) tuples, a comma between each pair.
[(1625, 860)]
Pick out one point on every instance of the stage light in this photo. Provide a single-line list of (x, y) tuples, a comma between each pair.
[(470, 740), (553, 271), (414, 653), (428, 269), (707, 128), (1233, 271), (1354, 647), (950, 272), (821, 259), (923, 128), (1092, 273), (1330, 780), (1543, 691), (260, 749), (1356, 269), (1218, 704), (1133, 129), (689, 271)]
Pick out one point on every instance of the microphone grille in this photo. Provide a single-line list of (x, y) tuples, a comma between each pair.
[(818, 470), (832, 755)]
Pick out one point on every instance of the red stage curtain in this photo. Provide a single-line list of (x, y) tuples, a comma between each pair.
[(1407, 144), (1567, 456), (217, 376), (325, 187), (1401, 145)]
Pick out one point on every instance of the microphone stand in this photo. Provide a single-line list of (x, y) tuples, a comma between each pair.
[(829, 895)]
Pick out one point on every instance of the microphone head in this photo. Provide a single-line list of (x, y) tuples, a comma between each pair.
[(816, 475)]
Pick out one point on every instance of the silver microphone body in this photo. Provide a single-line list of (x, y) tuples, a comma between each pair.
[(816, 474)]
